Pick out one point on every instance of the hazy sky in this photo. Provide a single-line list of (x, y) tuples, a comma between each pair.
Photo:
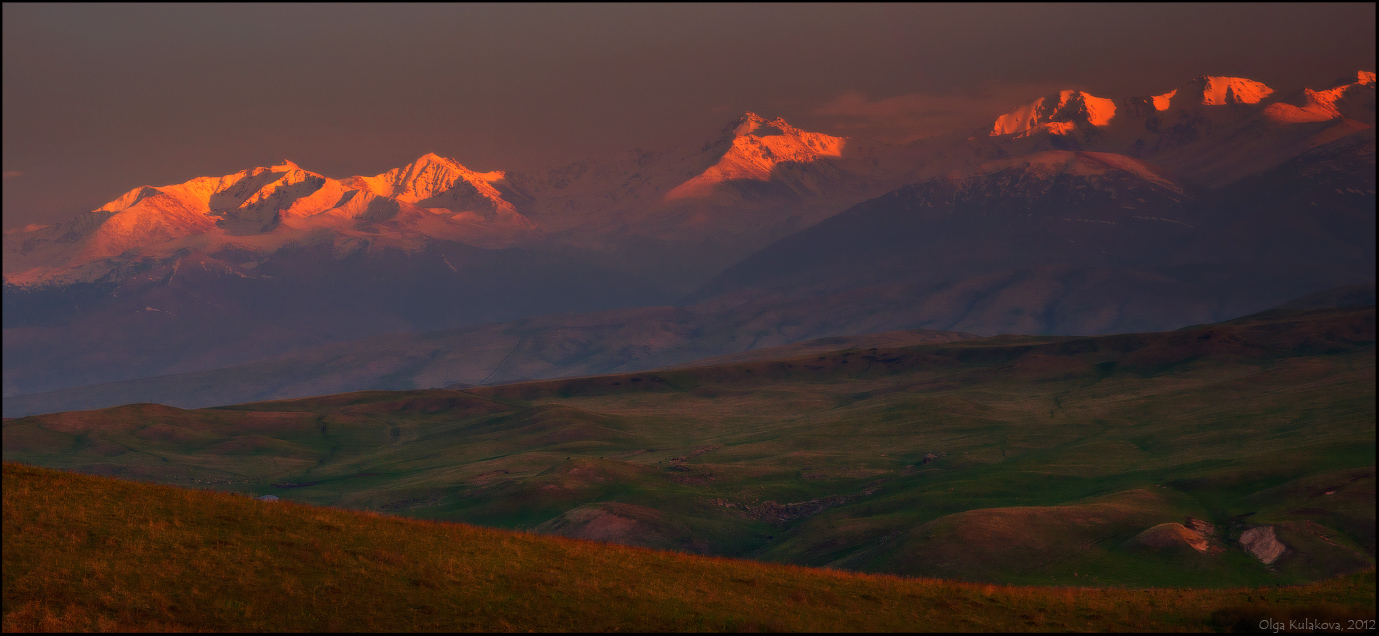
[(99, 99)]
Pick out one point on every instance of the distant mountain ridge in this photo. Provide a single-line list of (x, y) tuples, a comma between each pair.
[(265, 209), (1074, 213), (556, 347), (1109, 238), (434, 198), (223, 270), (1210, 131), (753, 163), (1071, 110)]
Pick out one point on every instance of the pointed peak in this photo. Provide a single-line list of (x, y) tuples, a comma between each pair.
[(751, 148), (1364, 78), (751, 122), (432, 157), (744, 125), (286, 164), (752, 117)]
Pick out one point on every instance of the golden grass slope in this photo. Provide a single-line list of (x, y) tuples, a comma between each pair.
[(91, 553)]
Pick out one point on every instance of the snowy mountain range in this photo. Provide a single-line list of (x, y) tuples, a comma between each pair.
[(1220, 195), (669, 197), (789, 178)]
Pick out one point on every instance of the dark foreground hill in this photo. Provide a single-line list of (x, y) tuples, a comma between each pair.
[(88, 553), (1239, 453)]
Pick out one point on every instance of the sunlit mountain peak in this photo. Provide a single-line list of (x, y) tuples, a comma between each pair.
[(1215, 90), (266, 208), (432, 175), (752, 123), (1057, 114), (758, 147), (747, 124)]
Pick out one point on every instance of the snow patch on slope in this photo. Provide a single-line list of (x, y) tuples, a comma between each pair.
[(1161, 102), (1081, 164)]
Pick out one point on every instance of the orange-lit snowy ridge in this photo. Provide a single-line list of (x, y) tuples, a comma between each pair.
[(758, 146), (268, 207), (1056, 114), (1322, 105), (431, 176), (1213, 90), (1062, 113), (1219, 91)]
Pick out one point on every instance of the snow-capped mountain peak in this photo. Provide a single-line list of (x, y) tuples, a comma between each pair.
[(267, 208), (1219, 91), (754, 124), (746, 124), (1214, 90), (756, 148), (431, 176), (1057, 114), (1070, 110)]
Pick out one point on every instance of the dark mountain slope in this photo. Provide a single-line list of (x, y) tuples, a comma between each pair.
[(1066, 242)]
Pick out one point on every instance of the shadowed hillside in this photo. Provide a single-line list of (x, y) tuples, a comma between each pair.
[(87, 553)]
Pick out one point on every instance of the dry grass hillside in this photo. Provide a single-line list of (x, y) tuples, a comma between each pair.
[(84, 553)]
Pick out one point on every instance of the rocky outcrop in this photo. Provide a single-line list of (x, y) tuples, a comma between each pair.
[(1263, 544)]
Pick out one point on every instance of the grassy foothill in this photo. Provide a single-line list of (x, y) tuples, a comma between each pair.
[(1011, 460), (86, 553)]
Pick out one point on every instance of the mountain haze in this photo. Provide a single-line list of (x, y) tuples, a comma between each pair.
[(1072, 213)]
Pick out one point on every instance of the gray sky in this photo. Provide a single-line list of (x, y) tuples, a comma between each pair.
[(99, 99)]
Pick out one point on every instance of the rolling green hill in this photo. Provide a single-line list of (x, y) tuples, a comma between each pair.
[(1029, 460), (86, 553)]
